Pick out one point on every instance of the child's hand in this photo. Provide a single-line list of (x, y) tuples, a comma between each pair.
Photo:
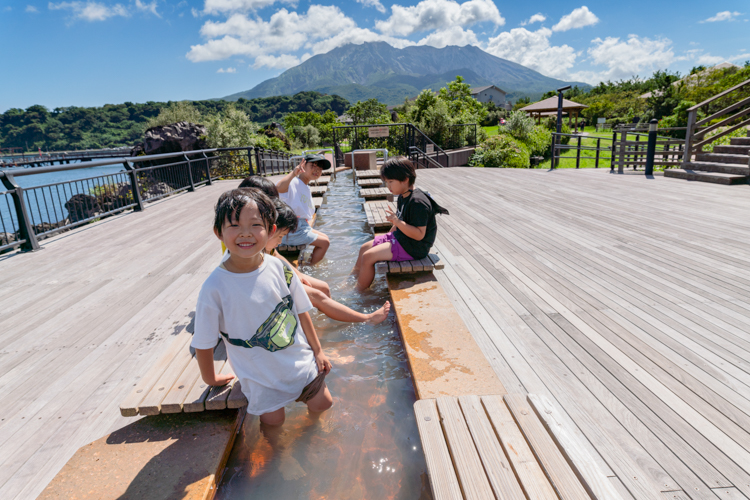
[(390, 216), (305, 281), (300, 169), (221, 379), (324, 365)]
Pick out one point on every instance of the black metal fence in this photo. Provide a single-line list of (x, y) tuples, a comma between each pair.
[(404, 139), (28, 214)]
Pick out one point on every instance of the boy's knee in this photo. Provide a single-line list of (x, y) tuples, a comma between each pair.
[(321, 402), (273, 418), (316, 296)]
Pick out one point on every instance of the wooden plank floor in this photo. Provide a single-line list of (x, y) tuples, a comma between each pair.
[(81, 320), (625, 300)]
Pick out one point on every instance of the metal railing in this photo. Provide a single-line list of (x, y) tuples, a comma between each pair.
[(28, 214), (22, 159), (422, 159), (400, 137), (695, 137), (558, 148)]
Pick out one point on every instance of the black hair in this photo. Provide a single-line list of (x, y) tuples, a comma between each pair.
[(256, 181), (232, 202), (399, 168), (285, 217)]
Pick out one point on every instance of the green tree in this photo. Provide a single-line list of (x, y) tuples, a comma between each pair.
[(230, 129), (369, 112), (183, 111)]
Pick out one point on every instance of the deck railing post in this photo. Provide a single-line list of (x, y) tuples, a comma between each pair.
[(190, 173), (578, 153), (25, 227), (261, 169), (689, 137), (208, 169), (598, 144), (651, 149), (621, 160), (250, 161), (554, 141), (134, 187)]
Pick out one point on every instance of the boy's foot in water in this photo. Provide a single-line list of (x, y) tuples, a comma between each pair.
[(379, 315)]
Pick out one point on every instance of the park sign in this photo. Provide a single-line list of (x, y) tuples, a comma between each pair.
[(378, 132), (429, 148)]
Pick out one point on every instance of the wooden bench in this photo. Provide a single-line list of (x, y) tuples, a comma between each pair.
[(324, 180), (365, 174), (370, 183), (375, 212), (428, 264), (505, 446), (318, 191), (374, 193)]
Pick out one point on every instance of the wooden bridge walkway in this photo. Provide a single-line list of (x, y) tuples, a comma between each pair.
[(622, 299)]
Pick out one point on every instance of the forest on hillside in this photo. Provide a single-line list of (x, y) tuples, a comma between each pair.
[(113, 125)]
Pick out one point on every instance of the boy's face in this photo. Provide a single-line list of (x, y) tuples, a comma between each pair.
[(397, 187), (275, 239), (247, 237), (313, 171)]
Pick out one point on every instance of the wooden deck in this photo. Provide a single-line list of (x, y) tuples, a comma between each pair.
[(624, 300)]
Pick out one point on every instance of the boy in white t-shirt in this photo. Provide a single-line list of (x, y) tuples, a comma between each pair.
[(295, 192), (259, 307)]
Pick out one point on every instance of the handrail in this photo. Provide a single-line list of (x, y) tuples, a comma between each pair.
[(717, 96), (428, 158), (692, 144)]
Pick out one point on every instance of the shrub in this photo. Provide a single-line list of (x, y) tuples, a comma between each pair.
[(176, 112), (502, 151), (308, 136), (519, 125)]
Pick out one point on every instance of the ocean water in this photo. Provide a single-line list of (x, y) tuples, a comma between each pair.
[(367, 445)]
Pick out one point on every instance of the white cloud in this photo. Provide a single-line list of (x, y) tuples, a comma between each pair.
[(228, 70), (373, 3), (31, 8), (579, 18), (533, 50), (91, 11), (722, 16), (195, 12), (430, 15), (224, 6), (710, 60), (147, 7), (454, 35), (272, 43), (625, 59), (536, 18)]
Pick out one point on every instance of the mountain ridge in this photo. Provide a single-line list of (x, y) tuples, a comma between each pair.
[(371, 69)]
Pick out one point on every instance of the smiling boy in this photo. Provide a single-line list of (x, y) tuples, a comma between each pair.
[(259, 307)]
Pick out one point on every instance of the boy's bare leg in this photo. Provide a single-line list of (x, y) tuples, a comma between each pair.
[(369, 258), (321, 401), (339, 312), (362, 249), (320, 247), (273, 418), (319, 285)]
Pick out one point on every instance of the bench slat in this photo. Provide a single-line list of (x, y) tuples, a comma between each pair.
[(529, 472), (151, 404), (406, 266), (176, 396), (588, 472), (217, 398), (196, 398), (129, 407), (436, 262), (443, 480), (496, 464), (394, 267), (236, 398), (474, 482), (561, 475)]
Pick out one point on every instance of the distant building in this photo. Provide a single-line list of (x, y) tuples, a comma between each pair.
[(490, 93)]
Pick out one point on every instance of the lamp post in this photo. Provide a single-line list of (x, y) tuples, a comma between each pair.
[(651, 148), (559, 122)]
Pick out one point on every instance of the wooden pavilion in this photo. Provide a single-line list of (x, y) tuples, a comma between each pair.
[(548, 107)]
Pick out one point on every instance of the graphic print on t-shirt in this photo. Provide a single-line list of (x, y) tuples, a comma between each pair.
[(278, 330)]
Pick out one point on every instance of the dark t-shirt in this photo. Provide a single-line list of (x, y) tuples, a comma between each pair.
[(416, 210)]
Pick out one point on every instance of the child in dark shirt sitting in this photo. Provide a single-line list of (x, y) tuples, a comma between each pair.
[(414, 225)]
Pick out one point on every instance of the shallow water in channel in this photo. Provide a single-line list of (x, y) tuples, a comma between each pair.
[(365, 447)]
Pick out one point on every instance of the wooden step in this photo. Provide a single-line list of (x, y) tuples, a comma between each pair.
[(370, 183), (713, 177), (734, 149), (322, 181), (376, 213), (739, 141), (318, 190), (722, 168), (739, 159), (374, 193)]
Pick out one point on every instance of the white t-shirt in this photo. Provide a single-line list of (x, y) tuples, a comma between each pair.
[(299, 198), (261, 309)]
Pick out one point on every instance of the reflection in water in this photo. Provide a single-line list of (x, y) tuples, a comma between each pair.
[(365, 447)]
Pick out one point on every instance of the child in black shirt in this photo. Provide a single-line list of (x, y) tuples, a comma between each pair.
[(414, 226)]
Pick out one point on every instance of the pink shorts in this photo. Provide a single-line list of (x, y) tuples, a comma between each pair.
[(399, 254)]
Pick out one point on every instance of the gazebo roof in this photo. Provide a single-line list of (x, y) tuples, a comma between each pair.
[(551, 105)]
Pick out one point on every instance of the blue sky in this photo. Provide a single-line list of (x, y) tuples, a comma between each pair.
[(92, 52)]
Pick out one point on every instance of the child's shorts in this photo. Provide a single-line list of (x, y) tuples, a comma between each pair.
[(304, 235), (399, 254), (312, 388)]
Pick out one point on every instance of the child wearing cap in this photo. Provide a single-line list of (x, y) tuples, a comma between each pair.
[(294, 191)]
